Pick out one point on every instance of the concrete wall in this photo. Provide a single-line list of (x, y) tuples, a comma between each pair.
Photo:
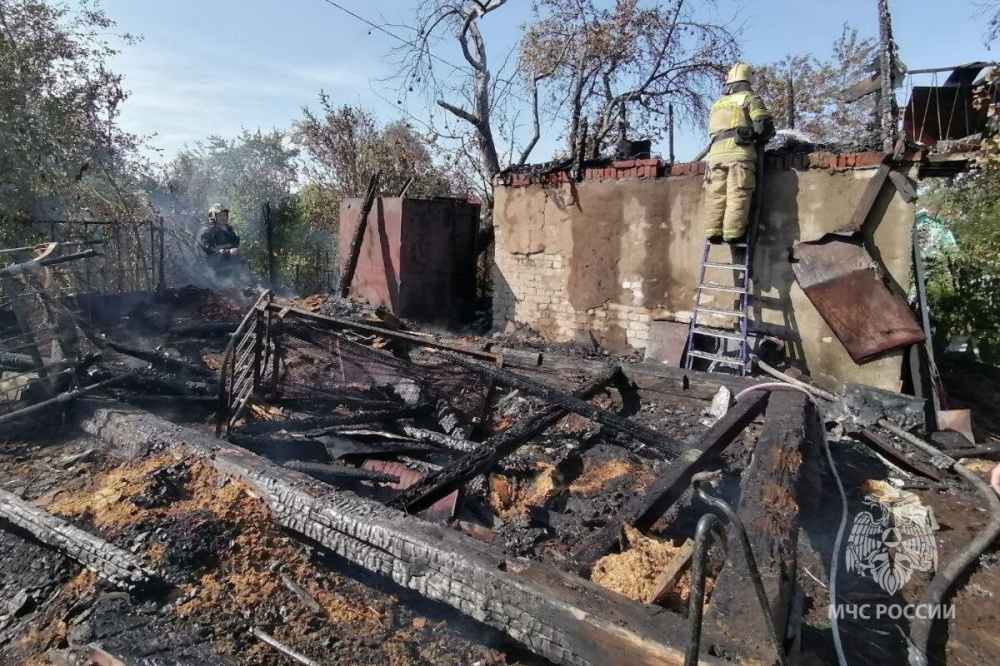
[(604, 257)]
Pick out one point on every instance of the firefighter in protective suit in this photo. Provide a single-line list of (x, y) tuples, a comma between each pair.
[(738, 122)]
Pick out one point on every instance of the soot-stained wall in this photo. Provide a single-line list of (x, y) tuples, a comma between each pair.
[(602, 258)]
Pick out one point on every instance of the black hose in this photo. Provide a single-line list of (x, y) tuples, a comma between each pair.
[(758, 584), (696, 597)]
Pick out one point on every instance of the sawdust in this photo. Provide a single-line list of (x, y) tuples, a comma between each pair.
[(510, 498), (634, 573), (596, 479), (312, 303), (104, 501), (80, 583), (981, 467)]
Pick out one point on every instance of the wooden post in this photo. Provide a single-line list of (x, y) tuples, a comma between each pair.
[(773, 488), (351, 263), (272, 270)]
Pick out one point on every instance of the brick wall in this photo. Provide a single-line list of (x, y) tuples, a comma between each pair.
[(602, 258)]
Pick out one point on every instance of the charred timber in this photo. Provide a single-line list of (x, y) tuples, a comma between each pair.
[(430, 489), (645, 509), (320, 422), (159, 361), (111, 563), (152, 381), (570, 403), (354, 251), (205, 328), (369, 329), (773, 489), (447, 441), (337, 474), (559, 617)]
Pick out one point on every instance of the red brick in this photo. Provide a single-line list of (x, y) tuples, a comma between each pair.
[(624, 164), (822, 160), (648, 162), (869, 159)]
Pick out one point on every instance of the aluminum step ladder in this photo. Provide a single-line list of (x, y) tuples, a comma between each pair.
[(742, 266)]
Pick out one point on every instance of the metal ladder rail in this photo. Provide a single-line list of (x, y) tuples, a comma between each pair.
[(746, 266)]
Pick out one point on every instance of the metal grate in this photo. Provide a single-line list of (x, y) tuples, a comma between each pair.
[(248, 358)]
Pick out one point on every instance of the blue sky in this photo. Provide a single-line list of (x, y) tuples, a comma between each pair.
[(215, 66)]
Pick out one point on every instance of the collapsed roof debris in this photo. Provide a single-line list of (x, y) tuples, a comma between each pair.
[(288, 539)]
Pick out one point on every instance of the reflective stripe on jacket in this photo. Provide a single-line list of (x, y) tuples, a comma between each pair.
[(729, 112)]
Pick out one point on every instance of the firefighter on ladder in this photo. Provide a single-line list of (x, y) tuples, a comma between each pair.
[(738, 123)]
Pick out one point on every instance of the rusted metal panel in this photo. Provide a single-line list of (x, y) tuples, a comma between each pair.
[(839, 279), (418, 256), (376, 278), (667, 341)]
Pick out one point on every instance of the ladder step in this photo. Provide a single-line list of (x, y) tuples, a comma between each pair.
[(729, 360), (719, 264), (717, 333), (724, 244), (731, 313), (718, 287)]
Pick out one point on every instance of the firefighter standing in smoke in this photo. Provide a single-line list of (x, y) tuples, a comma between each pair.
[(220, 243), (737, 122)]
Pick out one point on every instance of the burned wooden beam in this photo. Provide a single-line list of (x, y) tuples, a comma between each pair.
[(899, 458), (571, 403), (332, 421), (447, 441), (158, 360), (336, 475), (645, 509), (111, 563), (351, 260), (369, 329), (204, 328), (773, 488), (557, 616), (152, 381), (658, 378), (431, 488)]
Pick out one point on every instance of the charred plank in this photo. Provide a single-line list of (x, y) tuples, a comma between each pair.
[(338, 474), (772, 489), (647, 508), (571, 403), (111, 563), (430, 489), (332, 421), (558, 616)]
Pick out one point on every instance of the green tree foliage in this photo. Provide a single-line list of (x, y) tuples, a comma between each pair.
[(345, 146), (59, 139), (816, 86), (964, 283), (242, 174)]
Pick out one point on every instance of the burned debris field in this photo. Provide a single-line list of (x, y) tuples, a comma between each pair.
[(375, 388), (313, 481)]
